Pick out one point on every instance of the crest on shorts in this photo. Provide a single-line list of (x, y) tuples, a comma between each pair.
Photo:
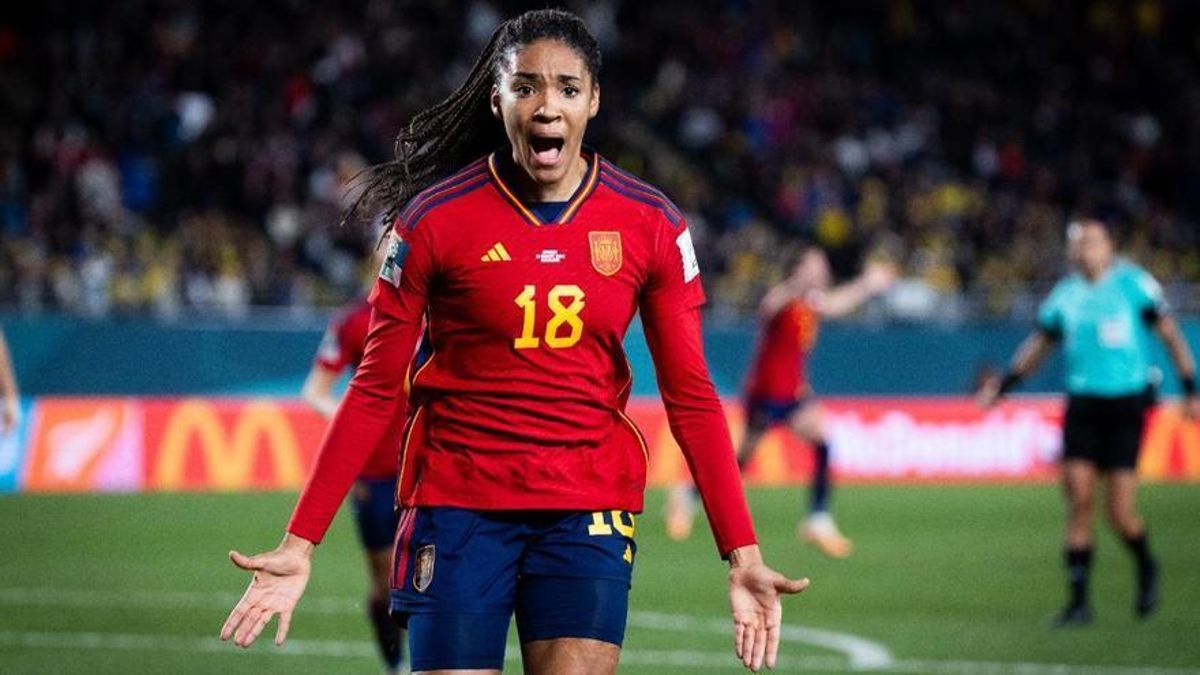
[(606, 252), (423, 573)]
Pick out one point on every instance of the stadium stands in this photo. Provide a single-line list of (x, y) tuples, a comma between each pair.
[(159, 157)]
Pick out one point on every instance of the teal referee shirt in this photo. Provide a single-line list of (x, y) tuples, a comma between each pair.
[(1105, 328)]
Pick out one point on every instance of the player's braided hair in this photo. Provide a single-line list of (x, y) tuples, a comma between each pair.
[(444, 137)]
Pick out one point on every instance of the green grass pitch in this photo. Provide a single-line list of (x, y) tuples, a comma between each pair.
[(943, 579)]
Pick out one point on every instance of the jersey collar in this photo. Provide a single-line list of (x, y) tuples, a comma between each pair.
[(499, 163)]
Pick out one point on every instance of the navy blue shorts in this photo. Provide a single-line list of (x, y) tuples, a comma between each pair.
[(374, 502), (766, 413), (459, 575)]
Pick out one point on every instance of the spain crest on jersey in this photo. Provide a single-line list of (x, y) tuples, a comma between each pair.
[(423, 572), (606, 252)]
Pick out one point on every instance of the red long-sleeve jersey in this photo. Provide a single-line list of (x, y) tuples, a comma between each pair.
[(779, 372), (521, 405), (341, 348)]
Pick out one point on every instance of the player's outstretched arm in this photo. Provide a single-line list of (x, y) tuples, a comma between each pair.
[(1185, 363), (278, 581), (754, 598), (698, 423), (10, 400), (1028, 359), (876, 278), (318, 390)]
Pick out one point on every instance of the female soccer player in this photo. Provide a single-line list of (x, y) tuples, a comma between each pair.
[(778, 392), (520, 472), (1104, 315)]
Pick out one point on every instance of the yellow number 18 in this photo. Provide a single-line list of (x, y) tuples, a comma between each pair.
[(564, 315)]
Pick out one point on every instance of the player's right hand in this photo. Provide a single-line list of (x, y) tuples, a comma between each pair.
[(280, 577), (989, 392), (878, 275)]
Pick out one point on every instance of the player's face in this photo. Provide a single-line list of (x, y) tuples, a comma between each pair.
[(545, 97), (1090, 247)]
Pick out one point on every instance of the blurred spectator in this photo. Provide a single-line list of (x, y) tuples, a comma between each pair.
[(161, 157)]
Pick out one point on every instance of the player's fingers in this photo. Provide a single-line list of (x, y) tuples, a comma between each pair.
[(240, 638), (259, 626), (772, 645), (759, 651), (791, 586), (748, 646), (235, 618), (281, 632), (739, 633), (248, 563)]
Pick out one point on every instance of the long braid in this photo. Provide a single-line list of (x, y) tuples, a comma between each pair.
[(442, 138), (436, 141)]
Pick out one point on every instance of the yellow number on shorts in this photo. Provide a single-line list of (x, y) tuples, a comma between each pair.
[(599, 528), (564, 314)]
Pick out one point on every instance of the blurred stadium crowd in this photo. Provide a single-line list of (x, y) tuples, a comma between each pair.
[(166, 156)]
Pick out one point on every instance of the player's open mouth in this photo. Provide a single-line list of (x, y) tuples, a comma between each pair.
[(546, 149)]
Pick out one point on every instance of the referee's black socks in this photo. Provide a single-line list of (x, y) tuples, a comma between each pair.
[(1139, 547), (1079, 570)]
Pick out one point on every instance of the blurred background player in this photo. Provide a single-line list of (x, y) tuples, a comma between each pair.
[(374, 494), (778, 392), (10, 406), (1104, 314)]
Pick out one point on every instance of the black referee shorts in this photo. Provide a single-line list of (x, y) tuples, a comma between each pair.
[(1105, 431)]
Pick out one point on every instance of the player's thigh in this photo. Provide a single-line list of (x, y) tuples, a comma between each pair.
[(570, 656), (575, 579), (808, 421), (454, 586), (374, 503)]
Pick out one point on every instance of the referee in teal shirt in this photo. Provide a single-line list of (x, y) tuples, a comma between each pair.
[(1105, 315)]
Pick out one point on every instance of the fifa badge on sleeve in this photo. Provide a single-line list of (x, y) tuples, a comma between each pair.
[(423, 570), (606, 252), (396, 253), (691, 266)]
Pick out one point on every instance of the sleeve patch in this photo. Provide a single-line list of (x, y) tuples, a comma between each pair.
[(691, 266), (397, 252)]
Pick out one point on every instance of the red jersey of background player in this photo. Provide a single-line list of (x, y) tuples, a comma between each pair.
[(521, 405), (342, 348), (779, 370)]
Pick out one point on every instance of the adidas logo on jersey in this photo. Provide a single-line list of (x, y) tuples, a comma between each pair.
[(497, 253), (551, 255)]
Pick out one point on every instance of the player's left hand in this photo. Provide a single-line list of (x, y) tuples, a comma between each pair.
[(754, 597), (280, 577)]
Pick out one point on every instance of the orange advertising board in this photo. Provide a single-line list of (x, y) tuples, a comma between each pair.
[(128, 444)]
